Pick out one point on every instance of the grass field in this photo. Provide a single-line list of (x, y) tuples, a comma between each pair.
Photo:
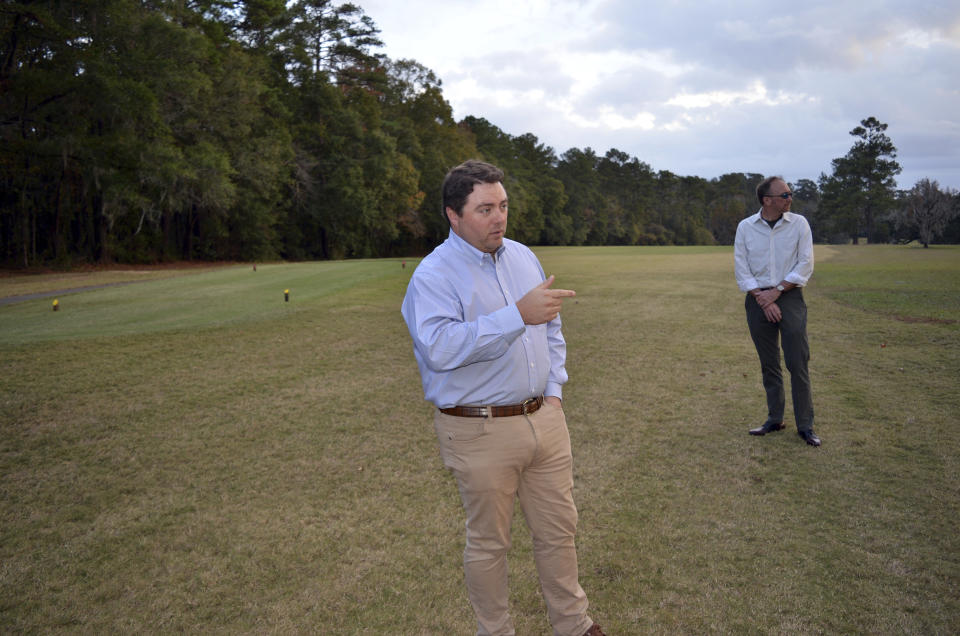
[(191, 453)]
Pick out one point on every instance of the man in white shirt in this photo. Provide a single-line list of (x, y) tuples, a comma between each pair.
[(773, 260)]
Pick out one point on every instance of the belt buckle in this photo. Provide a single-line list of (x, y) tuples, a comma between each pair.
[(526, 404)]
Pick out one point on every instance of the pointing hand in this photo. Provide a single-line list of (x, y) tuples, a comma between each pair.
[(542, 304)]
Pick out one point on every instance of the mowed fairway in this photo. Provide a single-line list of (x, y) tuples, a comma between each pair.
[(193, 454)]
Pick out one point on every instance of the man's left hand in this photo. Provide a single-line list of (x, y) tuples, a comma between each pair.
[(542, 304), (772, 312), (554, 400)]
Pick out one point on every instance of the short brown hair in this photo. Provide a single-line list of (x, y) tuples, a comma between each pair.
[(459, 182), (763, 188)]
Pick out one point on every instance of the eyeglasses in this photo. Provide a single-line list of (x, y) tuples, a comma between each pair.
[(785, 195)]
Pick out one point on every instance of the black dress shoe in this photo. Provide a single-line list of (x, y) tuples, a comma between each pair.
[(768, 427), (809, 437)]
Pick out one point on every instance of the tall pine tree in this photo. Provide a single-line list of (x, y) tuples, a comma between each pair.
[(862, 189)]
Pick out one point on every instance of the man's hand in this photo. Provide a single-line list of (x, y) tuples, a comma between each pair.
[(767, 301), (542, 304), (554, 400), (772, 312), (767, 297)]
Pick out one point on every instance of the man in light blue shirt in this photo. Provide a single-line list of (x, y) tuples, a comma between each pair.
[(486, 337), (773, 260)]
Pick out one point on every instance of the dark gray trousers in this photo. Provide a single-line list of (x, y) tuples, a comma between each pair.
[(791, 333)]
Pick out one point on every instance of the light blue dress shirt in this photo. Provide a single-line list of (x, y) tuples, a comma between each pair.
[(470, 343)]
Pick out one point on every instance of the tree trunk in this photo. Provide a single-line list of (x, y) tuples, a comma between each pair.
[(25, 230)]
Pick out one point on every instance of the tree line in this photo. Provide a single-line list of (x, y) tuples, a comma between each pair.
[(143, 131)]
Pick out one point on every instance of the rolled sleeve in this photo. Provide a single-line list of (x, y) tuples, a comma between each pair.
[(741, 263), (801, 272)]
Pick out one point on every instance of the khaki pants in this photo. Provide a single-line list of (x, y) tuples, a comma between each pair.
[(495, 461)]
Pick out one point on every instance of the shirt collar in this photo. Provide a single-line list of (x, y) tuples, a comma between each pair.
[(758, 217), (469, 251)]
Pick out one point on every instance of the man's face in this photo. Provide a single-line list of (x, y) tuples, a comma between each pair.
[(484, 219), (774, 202)]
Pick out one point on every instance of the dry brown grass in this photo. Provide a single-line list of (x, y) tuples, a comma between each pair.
[(278, 473)]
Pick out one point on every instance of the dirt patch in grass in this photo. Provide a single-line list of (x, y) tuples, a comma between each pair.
[(117, 267), (923, 319), (29, 284)]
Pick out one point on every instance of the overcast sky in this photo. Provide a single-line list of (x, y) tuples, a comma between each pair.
[(698, 88)]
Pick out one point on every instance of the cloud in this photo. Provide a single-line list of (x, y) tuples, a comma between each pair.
[(756, 93), (698, 88)]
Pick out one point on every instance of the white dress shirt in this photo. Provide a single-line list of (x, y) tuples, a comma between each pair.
[(470, 342), (765, 256)]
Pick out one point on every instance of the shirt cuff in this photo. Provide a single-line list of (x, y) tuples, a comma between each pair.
[(553, 389), (510, 321), (747, 285)]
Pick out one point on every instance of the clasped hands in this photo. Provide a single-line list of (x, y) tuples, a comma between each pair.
[(767, 301), (542, 304)]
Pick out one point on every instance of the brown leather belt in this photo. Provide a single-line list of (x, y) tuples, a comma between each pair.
[(524, 408)]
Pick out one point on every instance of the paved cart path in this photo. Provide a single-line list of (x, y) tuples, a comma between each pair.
[(9, 300)]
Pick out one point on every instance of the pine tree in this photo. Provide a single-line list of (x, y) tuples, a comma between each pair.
[(862, 189)]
